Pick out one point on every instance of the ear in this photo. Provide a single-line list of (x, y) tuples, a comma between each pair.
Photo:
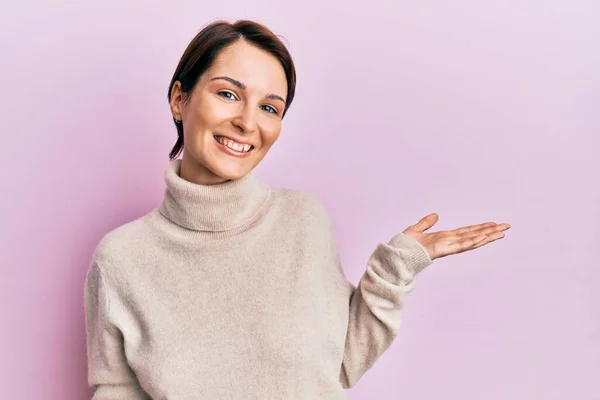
[(176, 100)]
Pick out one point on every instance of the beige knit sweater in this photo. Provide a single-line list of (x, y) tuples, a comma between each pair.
[(235, 291)]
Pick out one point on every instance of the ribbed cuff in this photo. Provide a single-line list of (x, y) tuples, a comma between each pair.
[(412, 252)]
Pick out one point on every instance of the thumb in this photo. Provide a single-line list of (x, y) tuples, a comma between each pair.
[(426, 222)]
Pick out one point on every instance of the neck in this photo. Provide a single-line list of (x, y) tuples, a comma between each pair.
[(212, 207), (194, 172)]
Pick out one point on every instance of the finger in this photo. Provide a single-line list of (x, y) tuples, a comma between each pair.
[(491, 229), (471, 228), (488, 239), (426, 222), (494, 231), (475, 240)]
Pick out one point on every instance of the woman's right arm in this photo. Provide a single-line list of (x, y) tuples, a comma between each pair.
[(108, 371)]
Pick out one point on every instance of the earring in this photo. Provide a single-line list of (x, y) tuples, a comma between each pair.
[(177, 120)]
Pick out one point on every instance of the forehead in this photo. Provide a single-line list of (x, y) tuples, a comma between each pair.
[(256, 68)]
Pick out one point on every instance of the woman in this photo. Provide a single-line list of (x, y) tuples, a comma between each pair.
[(232, 289)]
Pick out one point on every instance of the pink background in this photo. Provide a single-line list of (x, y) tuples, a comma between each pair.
[(475, 111)]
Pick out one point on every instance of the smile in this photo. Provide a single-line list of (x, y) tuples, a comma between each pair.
[(234, 146)]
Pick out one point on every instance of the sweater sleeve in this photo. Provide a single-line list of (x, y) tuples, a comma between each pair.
[(376, 303), (108, 372)]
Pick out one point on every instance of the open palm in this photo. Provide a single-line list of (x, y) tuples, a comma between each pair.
[(443, 243)]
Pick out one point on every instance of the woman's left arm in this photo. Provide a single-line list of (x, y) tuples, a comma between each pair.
[(375, 304)]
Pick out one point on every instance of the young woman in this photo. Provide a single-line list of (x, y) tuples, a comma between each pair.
[(231, 289)]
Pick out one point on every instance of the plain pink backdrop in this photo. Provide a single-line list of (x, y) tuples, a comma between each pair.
[(475, 110)]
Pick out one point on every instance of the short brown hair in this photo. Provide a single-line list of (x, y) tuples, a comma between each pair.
[(206, 46)]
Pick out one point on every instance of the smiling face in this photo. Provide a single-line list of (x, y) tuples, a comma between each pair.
[(233, 115)]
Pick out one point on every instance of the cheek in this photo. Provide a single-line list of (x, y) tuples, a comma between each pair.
[(216, 111), (269, 137), (270, 132), (210, 113)]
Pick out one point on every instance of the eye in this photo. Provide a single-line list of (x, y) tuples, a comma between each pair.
[(227, 95), (270, 109)]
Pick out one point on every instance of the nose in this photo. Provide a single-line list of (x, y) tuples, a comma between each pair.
[(246, 119)]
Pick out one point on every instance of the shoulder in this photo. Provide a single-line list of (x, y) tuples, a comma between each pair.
[(301, 204), (123, 242)]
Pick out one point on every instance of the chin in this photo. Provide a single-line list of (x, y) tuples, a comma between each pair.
[(231, 173)]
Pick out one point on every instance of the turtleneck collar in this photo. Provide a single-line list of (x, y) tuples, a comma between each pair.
[(212, 208)]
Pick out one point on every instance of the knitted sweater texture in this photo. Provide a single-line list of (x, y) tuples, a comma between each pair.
[(235, 291)]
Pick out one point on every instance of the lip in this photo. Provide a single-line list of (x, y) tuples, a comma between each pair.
[(230, 138), (230, 152)]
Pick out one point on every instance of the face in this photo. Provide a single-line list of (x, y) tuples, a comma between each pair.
[(233, 116)]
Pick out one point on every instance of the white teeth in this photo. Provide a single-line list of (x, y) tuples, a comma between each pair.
[(242, 148)]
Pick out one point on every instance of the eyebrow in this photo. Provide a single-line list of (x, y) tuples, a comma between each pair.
[(239, 84)]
